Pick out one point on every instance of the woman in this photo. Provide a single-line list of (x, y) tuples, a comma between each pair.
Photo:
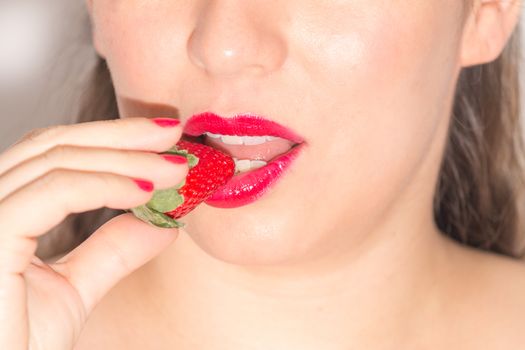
[(407, 116)]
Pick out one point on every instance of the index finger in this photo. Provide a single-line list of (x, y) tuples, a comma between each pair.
[(138, 133)]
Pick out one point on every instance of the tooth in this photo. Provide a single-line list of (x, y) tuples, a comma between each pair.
[(242, 165), (231, 139), (253, 140), (256, 164), (271, 138), (215, 136)]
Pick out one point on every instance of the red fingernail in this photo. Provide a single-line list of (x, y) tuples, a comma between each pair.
[(166, 122), (144, 185), (173, 158)]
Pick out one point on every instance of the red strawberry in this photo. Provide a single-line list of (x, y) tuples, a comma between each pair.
[(209, 170)]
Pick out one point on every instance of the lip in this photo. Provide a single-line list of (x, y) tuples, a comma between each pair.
[(246, 188), (239, 125)]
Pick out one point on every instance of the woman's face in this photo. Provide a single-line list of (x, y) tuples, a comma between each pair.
[(367, 84)]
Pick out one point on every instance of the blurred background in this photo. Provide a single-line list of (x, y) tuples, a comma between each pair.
[(46, 58)]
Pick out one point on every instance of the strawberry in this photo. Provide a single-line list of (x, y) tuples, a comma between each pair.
[(209, 170)]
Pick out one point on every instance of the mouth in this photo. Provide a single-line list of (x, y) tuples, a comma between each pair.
[(251, 141)]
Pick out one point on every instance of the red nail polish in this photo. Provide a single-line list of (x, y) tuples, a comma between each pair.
[(166, 122), (144, 185), (173, 158)]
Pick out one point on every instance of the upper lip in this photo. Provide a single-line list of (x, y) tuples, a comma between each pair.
[(239, 125)]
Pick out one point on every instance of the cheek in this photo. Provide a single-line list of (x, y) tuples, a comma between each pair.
[(369, 88), (143, 49), (385, 86), (388, 51)]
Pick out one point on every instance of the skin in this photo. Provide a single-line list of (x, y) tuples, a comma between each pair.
[(353, 261)]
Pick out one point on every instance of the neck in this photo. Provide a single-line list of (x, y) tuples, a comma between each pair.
[(380, 287), (390, 276)]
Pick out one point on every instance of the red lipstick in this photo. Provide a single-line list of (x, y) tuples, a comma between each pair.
[(247, 187), (240, 125)]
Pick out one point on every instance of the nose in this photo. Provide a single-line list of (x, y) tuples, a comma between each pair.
[(236, 37)]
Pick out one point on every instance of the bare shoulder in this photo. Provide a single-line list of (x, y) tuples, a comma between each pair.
[(502, 277), (491, 291)]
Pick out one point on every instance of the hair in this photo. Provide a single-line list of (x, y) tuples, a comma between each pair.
[(479, 196), (479, 199)]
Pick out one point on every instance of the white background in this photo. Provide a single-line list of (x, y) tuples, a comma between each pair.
[(45, 59)]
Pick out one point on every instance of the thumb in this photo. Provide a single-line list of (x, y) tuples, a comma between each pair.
[(116, 249)]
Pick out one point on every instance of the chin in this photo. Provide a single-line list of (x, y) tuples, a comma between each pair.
[(245, 236)]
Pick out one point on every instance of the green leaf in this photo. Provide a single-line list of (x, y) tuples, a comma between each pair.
[(193, 160), (155, 218), (165, 200), (175, 150)]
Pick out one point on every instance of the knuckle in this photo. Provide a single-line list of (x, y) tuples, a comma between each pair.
[(55, 177), (32, 135), (129, 156), (57, 153), (66, 178), (106, 180), (118, 256), (120, 128), (115, 121), (112, 123), (75, 183), (107, 184), (146, 159), (42, 134)]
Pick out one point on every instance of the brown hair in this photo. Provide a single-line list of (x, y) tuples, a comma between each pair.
[(479, 199), (480, 195)]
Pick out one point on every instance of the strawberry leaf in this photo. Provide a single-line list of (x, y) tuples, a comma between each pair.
[(165, 200), (156, 218), (193, 160)]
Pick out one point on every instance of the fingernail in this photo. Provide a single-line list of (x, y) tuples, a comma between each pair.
[(173, 158), (144, 185), (166, 122)]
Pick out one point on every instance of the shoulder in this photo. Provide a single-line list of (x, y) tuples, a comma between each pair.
[(501, 278), (502, 283), (490, 290)]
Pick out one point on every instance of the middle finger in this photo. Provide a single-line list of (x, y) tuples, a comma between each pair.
[(160, 169)]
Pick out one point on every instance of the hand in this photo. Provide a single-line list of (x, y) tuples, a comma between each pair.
[(56, 171)]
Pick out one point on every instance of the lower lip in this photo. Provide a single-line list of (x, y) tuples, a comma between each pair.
[(246, 188)]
